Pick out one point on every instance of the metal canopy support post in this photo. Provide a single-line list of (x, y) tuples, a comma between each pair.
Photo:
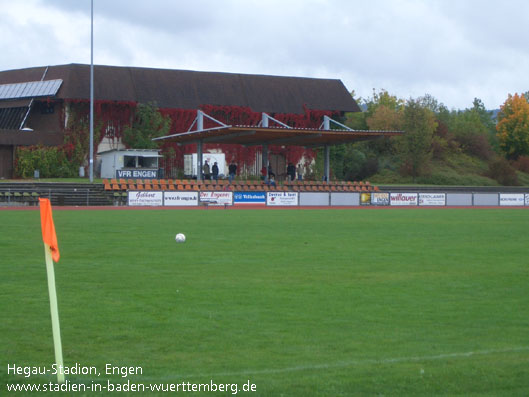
[(200, 120), (199, 160), (265, 156), (327, 163), (265, 121), (327, 149), (327, 124)]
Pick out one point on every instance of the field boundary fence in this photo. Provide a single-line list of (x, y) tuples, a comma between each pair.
[(329, 199)]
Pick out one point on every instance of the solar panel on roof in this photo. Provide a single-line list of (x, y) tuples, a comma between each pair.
[(31, 89)]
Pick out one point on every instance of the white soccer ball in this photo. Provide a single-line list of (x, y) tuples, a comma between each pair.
[(180, 238)]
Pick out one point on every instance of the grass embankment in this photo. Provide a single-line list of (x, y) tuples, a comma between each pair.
[(454, 170)]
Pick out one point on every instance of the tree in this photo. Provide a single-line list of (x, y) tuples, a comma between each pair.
[(472, 133), (148, 124), (383, 98), (385, 118), (484, 115), (372, 117), (416, 145), (356, 120), (429, 102), (513, 127)]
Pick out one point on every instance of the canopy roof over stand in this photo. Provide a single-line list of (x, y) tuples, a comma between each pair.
[(279, 134)]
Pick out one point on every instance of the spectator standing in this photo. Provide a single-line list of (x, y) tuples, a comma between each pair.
[(270, 172), (215, 171), (264, 174), (232, 171), (205, 171), (300, 172), (291, 171)]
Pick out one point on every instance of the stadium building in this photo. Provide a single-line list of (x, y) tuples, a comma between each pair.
[(253, 120)]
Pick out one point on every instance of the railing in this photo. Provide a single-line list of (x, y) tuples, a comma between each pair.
[(28, 195)]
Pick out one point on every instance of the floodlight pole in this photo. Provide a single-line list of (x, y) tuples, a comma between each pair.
[(327, 151), (91, 164), (200, 148)]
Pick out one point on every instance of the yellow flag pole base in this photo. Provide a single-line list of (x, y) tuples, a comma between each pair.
[(55, 326)]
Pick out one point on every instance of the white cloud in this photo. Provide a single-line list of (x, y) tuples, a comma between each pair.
[(453, 50)]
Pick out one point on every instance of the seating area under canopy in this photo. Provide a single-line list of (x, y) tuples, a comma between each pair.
[(270, 131)]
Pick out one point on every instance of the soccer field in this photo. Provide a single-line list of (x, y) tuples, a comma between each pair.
[(296, 302)]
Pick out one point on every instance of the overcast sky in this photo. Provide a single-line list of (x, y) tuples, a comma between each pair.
[(454, 50)]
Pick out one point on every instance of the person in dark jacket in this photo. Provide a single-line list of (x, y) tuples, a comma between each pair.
[(232, 171), (270, 172), (215, 171), (291, 171)]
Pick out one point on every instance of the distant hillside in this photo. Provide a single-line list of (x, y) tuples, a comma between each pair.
[(440, 146), (494, 113)]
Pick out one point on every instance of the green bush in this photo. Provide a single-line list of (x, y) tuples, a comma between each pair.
[(501, 170), (52, 162), (522, 164)]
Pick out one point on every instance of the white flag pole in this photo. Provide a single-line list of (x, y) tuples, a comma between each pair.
[(56, 329)]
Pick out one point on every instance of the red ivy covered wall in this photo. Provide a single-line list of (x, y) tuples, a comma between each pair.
[(119, 114)]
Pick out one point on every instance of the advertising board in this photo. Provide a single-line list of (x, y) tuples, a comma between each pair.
[(249, 198), (345, 199), (365, 198), (217, 198), (145, 198), (512, 199), (379, 198), (527, 199), (180, 198), (486, 199), (403, 198), (432, 199), (281, 198), (313, 199)]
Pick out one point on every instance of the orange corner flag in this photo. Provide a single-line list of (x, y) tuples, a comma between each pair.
[(48, 228)]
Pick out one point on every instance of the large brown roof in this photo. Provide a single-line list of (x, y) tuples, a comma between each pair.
[(183, 89)]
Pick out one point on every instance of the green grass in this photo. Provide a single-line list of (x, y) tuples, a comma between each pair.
[(299, 302)]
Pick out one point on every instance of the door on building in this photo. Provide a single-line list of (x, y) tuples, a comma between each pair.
[(6, 161), (279, 165)]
